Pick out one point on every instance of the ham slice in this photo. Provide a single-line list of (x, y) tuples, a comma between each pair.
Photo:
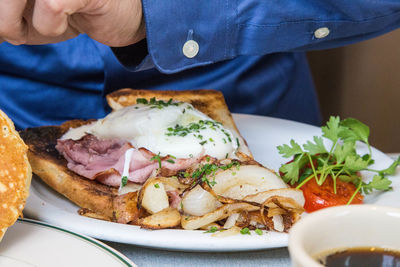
[(174, 198), (103, 160)]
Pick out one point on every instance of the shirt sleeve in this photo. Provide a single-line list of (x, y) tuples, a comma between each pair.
[(182, 34)]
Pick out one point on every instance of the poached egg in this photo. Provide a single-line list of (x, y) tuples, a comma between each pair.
[(164, 128)]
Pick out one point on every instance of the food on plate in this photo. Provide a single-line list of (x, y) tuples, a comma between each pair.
[(163, 159), (331, 177), (15, 174)]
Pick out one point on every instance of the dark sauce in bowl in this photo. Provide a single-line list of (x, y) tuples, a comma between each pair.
[(361, 257)]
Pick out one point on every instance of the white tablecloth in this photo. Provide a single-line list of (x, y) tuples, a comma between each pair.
[(145, 257)]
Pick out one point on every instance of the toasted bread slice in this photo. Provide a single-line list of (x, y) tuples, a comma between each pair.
[(51, 167), (15, 174), (90, 195)]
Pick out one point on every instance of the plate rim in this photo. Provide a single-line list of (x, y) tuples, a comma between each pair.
[(94, 242)]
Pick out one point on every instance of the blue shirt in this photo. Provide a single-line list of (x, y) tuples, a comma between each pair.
[(256, 48)]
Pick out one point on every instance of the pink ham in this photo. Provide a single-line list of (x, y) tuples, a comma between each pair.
[(174, 198), (103, 160)]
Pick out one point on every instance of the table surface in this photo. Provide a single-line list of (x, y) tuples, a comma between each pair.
[(152, 257), (143, 257)]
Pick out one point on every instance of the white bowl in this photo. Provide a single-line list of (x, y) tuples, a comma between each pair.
[(343, 227)]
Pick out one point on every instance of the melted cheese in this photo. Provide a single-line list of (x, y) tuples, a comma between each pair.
[(178, 130)]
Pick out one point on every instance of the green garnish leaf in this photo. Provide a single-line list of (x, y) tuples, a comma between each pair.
[(245, 231), (343, 151), (392, 168), (291, 150), (171, 161), (378, 183), (355, 130), (156, 185), (355, 163), (332, 129), (341, 160), (316, 147), (305, 174), (350, 178), (367, 157), (291, 170)]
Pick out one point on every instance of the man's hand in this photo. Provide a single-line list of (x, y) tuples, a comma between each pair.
[(111, 22)]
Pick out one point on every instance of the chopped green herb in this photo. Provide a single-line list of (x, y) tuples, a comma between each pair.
[(170, 161), (203, 142), (124, 181), (258, 231), (153, 103), (142, 101), (237, 142), (210, 183), (156, 185), (157, 158), (212, 229), (245, 231)]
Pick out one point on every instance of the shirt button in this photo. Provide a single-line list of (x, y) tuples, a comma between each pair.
[(321, 32), (190, 49)]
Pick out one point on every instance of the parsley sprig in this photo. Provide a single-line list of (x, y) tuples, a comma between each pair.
[(313, 160)]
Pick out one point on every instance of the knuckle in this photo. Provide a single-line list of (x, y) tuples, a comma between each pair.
[(55, 6)]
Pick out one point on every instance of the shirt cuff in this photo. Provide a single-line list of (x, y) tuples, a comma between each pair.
[(183, 34), (134, 57)]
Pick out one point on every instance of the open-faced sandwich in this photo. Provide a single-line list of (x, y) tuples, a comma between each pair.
[(15, 174), (163, 159)]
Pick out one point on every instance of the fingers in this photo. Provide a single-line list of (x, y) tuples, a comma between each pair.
[(13, 27), (50, 17)]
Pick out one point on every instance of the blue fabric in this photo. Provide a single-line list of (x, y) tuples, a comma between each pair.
[(225, 29), (257, 48)]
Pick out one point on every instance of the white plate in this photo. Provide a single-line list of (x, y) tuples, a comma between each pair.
[(30, 243), (263, 135)]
